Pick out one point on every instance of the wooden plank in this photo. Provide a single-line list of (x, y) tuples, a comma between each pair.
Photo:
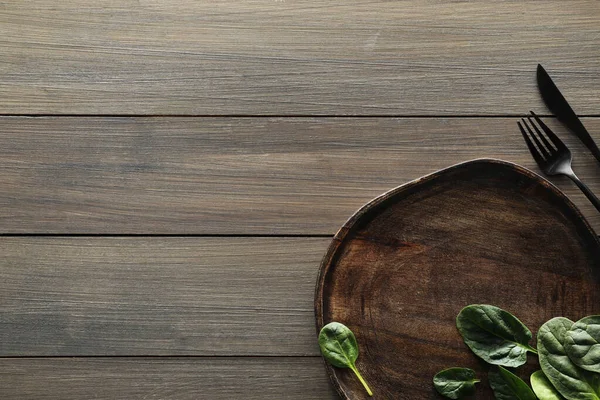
[(236, 175), (164, 378), (158, 296), (350, 57)]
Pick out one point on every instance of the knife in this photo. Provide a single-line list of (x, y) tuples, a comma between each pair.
[(563, 111)]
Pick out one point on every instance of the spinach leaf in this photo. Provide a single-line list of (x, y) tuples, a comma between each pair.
[(542, 387), (582, 343), (338, 346), (508, 386), (570, 381), (495, 335), (455, 383)]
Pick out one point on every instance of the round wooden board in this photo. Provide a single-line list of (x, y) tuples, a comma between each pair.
[(482, 232)]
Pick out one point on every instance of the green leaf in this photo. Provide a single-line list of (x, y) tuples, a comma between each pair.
[(571, 381), (455, 383), (495, 335), (508, 386), (582, 343), (542, 387), (339, 347)]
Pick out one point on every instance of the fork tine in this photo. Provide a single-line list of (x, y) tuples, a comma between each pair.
[(540, 135), (555, 139), (534, 152), (542, 150)]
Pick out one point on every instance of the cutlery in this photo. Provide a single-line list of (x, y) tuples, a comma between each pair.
[(563, 111), (555, 158)]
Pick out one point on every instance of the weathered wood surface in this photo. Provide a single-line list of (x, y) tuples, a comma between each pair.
[(402, 268), (164, 378), (237, 175), (278, 57), (291, 168), (74, 296)]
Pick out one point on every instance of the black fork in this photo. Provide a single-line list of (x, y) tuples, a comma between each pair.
[(550, 153)]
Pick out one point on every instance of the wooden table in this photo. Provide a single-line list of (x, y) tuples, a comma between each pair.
[(171, 172)]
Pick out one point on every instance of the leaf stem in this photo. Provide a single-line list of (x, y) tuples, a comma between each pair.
[(360, 378), (531, 349)]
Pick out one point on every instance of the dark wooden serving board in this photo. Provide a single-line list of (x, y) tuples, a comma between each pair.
[(486, 231)]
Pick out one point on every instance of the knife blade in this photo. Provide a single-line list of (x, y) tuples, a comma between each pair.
[(559, 106)]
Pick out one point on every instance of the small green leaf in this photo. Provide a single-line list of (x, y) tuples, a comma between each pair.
[(582, 343), (495, 335), (508, 386), (455, 383), (571, 381), (339, 347), (542, 387)]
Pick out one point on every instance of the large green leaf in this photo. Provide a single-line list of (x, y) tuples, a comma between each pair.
[(543, 388), (495, 335), (582, 343), (508, 386), (571, 381), (455, 383)]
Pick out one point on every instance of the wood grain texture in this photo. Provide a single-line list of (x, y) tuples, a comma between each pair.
[(237, 175), (277, 57), (164, 378), (158, 296), (399, 272)]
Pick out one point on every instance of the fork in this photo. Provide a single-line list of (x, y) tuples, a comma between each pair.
[(555, 158)]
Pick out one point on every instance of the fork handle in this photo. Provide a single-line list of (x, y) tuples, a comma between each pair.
[(586, 190)]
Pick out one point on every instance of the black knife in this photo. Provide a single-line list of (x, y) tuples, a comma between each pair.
[(557, 103)]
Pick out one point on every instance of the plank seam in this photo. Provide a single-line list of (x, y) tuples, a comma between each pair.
[(161, 235), (405, 116), (157, 356)]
